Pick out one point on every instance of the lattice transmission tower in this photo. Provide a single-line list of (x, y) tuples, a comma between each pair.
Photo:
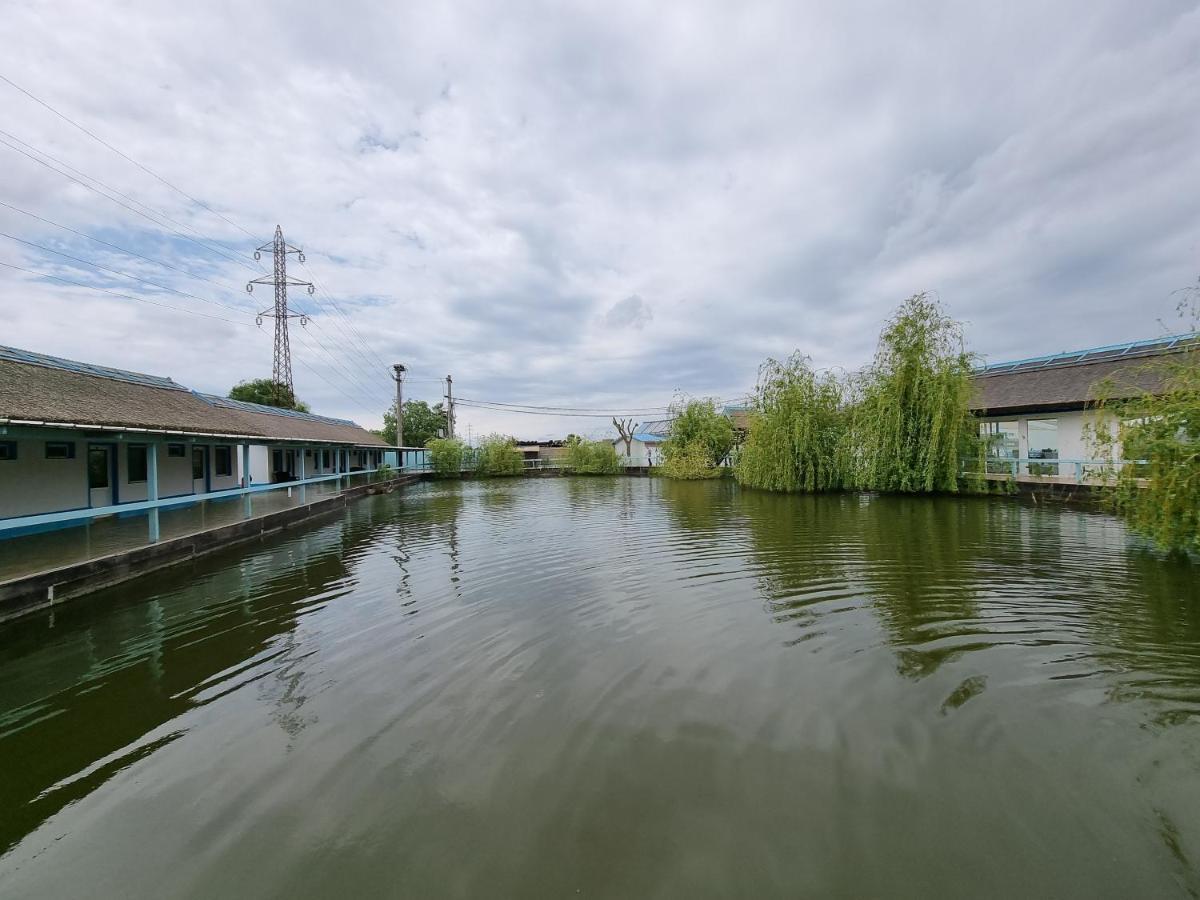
[(281, 370)]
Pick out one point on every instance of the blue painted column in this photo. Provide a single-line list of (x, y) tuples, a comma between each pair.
[(247, 502), (152, 489), (300, 473)]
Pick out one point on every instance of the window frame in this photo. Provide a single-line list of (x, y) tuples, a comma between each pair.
[(68, 448), (10, 451), (182, 448), (223, 450), (145, 467)]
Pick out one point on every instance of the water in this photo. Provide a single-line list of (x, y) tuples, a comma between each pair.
[(619, 688)]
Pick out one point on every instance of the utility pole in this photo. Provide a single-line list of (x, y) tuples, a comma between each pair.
[(281, 369), (398, 377), (449, 406)]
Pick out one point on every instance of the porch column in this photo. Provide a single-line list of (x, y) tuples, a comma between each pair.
[(152, 489), (301, 452), (245, 464)]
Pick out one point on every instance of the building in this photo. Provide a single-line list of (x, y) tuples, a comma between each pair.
[(78, 440), (645, 447), (542, 453), (1038, 411)]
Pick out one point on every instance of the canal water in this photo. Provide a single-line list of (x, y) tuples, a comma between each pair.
[(619, 688)]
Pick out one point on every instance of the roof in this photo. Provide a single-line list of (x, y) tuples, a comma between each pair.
[(654, 430), (44, 389), (1064, 381)]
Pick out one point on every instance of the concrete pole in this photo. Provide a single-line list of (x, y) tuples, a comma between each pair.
[(449, 407), (398, 377)]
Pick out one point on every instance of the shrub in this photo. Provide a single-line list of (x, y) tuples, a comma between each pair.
[(498, 456), (592, 457), (700, 439), (1160, 497), (446, 455)]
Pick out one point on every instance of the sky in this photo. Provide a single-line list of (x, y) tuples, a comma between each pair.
[(589, 205)]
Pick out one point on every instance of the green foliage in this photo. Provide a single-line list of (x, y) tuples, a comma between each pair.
[(383, 472), (911, 423), (901, 425), (1160, 498), (687, 462), (592, 457), (268, 393), (700, 440), (446, 456), (498, 455), (422, 423), (799, 430)]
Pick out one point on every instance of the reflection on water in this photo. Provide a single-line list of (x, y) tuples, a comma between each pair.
[(619, 687)]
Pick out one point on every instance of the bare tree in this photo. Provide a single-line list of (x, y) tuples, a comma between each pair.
[(626, 428)]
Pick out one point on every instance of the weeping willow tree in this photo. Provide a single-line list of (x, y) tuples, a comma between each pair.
[(911, 422), (799, 430), (1159, 495), (700, 440)]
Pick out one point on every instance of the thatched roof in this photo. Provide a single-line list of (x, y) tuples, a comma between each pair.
[(1074, 380), (45, 389)]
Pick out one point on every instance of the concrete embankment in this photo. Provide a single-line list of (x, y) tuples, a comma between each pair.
[(41, 590)]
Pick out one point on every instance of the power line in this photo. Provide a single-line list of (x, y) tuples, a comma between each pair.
[(132, 209), (215, 247), (92, 287), (121, 154), (532, 412), (600, 409), (96, 265), (126, 250)]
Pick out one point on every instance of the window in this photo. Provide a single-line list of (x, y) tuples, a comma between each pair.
[(60, 450), (325, 459), (8, 450), (223, 461), (197, 463), (1043, 444), (276, 460), (136, 462), (177, 451)]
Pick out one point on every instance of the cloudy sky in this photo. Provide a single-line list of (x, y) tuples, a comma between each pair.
[(590, 205)]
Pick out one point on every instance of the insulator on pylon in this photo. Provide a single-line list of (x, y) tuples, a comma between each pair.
[(311, 289), (257, 255), (249, 289), (304, 321), (301, 256), (258, 321)]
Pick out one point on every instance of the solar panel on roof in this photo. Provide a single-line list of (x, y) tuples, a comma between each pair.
[(229, 403), (28, 357), (1095, 354)]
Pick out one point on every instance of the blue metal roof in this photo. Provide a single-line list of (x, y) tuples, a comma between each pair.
[(227, 403), (1145, 347), (69, 365)]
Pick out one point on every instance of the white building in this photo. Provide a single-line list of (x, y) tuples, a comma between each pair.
[(1039, 411), (77, 437)]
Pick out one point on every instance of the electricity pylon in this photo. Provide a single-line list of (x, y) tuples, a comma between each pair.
[(281, 370)]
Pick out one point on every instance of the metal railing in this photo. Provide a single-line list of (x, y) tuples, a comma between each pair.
[(1037, 468)]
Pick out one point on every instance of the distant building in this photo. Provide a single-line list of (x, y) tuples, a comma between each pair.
[(534, 452), (1039, 408), (75, 436)]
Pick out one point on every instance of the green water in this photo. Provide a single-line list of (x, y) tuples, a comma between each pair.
[(619, 688)]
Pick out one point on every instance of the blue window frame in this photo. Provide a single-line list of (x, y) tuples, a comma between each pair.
[(136, 462)]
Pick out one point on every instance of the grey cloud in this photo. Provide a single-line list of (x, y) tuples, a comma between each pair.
[(773, 175), (632, 312)]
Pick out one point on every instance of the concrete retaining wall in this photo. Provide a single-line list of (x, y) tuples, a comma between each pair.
[(30, 593)]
